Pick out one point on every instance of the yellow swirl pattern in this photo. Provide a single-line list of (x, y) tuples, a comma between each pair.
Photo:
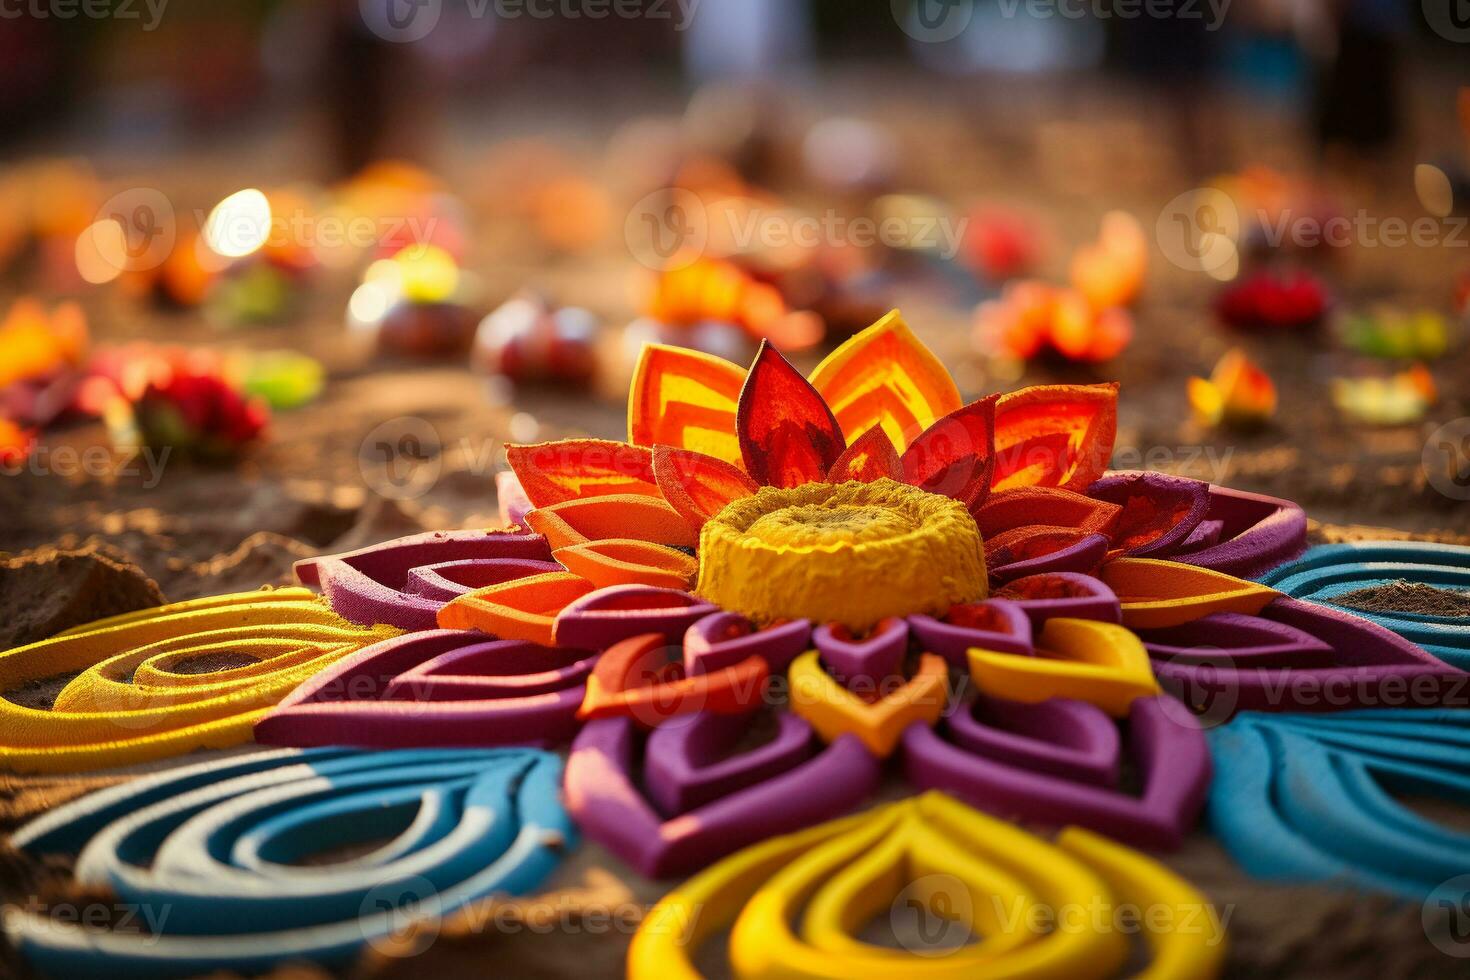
[(137, 694), (834, 878)]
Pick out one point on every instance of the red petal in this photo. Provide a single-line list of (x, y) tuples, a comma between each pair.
[(955, 456), (696, 485), (1054, 435), (788, 435), (1007, 510), (871, 457), (572, 469)]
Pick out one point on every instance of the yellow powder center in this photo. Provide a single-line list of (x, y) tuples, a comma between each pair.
[(850, 553)]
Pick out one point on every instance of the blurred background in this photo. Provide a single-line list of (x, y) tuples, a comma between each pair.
[(318, 261)]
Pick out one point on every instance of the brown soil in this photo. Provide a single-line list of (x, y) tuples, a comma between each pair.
[(1409, 597)]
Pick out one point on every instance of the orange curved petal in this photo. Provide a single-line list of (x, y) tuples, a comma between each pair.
[(1054, 435), (1156, 594), (788, 435), (886, 376), (521, 609), (626, 561), (686, 399), (573, 469), (696, 485), (619, 516), (870, 457), (1007, 510)]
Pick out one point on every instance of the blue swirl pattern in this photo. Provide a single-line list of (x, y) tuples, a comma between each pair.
[(214, 854)]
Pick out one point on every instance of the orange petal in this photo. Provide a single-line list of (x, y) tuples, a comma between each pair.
[(622, 516), (521, 609), (1007, 510), (1156, 594), (698, 486), (787, 433), (626, 561), (955, 456), (870, 457), (885, 376), (1054, 435), (573, 469), (686, 399)]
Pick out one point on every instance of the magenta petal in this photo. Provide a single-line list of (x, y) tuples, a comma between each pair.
[(449, 579), (1063, 594), (1257, 533), (601, 618), (723, 639), (370, 585), (1008, 631), (1162, 510), (870, 660), (1084, 557), (602, 796), (365, 700)]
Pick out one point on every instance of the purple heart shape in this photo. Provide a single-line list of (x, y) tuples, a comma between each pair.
[(1256, 534), (723, 639), (871, 660), (602, 796), (1066, 738), (687, 761), (360, 701), (1238, 639), (1166, 746), (494, 669), (1068, 594), (369, 585), (1007, 629), (603, 617)]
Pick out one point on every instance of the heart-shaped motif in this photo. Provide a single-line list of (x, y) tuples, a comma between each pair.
[(372, 585), (601, 618), (994, 624), (865, 660), (1101, 663), (636, 678), (1155, 594), (723, 639), (217, 845), (1069, 739), (688, 762), (1062, 594), (1328, 573), (1307, 798), (1167, 749), (879, 721), (1226, 662), (602, 794), (795, 906), (436, 688)]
